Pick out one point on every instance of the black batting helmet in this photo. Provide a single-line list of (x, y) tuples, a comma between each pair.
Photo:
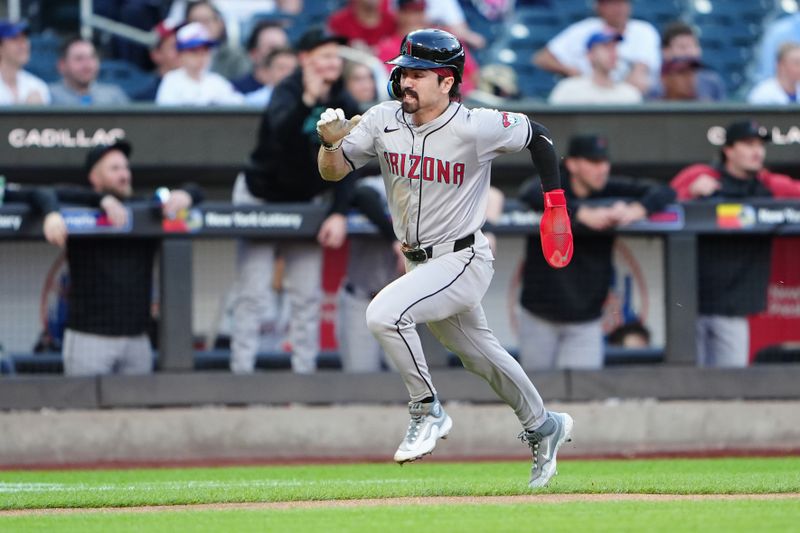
[(431, 48)]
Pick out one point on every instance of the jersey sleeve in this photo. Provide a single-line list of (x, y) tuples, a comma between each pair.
[(500, 132), (358, 147)]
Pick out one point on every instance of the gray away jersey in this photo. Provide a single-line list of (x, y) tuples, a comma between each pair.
[(436, 175)]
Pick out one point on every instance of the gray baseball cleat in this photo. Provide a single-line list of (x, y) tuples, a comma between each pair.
[(544, 443), (428, 423)]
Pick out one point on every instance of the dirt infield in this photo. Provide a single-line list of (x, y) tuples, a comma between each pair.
[(443, 500)]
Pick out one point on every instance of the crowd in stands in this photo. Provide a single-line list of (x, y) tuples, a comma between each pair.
[(291, 69), (565, 52)]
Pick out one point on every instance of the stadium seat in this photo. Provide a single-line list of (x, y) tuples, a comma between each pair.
[(534, 82), (129, 77), (733, 10), (44, 56), (659, 13), (572, 10), (535, 16)]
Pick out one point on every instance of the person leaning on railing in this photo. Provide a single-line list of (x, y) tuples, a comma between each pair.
[(560, 310), (733, 269), (111, 279)]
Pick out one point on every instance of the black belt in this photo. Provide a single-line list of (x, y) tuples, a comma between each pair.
[(420, 255)]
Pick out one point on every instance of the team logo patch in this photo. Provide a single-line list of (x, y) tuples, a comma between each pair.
[(510, 119)]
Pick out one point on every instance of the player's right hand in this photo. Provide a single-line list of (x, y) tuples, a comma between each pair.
[(555, 230), (115, 210), (332, 127)]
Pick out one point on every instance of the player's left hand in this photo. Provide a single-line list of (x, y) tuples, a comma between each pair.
[(333, 231), (555, 229), (332, 126), (55, 229)]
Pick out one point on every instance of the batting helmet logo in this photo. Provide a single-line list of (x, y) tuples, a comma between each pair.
[(429, 49)]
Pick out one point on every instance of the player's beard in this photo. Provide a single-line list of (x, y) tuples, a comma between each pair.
[(410, 106)]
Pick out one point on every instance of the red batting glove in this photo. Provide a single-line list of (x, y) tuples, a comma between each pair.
[(556, 230)]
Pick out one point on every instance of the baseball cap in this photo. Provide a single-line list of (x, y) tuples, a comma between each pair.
[(97, 152), (746, 129), (411, 5), (681, 64), (10, 29), (588, 147), (602, 37), (194, 35), (317, 36)]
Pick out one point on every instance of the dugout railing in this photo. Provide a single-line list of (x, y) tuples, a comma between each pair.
[(176, 383)]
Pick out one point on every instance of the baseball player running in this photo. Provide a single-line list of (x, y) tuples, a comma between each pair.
[(435, 157)]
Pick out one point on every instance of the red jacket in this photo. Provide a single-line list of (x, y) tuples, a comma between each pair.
[(781, 185), (346, 24)]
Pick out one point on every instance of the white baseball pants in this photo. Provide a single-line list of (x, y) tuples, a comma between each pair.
[(302, 283), (446, 292)]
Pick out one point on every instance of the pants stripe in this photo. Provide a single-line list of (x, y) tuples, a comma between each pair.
[(400, 318)]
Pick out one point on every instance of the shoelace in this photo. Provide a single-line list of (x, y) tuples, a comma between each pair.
[(413, 428), (418, 413), (532, 439)]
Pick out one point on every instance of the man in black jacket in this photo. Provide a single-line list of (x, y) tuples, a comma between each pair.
[(283, 169), (111, 279), (564, 329)]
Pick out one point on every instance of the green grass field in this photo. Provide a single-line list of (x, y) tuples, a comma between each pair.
[(20, 490)]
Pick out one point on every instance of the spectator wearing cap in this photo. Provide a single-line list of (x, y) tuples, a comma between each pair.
[(598, 87), (18, 86), (111, 279), (679, 79), (784, 86), (564, 330), (733, 269), (265, 37), (283, 168), (679, 41), (227, 59), (79, 66), (411, 15), (639, 58), (193, 83), (164, 55), (363, 23)]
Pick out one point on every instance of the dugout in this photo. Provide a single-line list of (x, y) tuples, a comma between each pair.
[(210, 147)]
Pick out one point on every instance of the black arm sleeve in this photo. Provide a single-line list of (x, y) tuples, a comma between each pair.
[(371, 204), (343, 194), (544, 157)]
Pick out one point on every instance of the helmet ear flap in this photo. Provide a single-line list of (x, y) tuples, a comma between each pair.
[(393, 87)]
